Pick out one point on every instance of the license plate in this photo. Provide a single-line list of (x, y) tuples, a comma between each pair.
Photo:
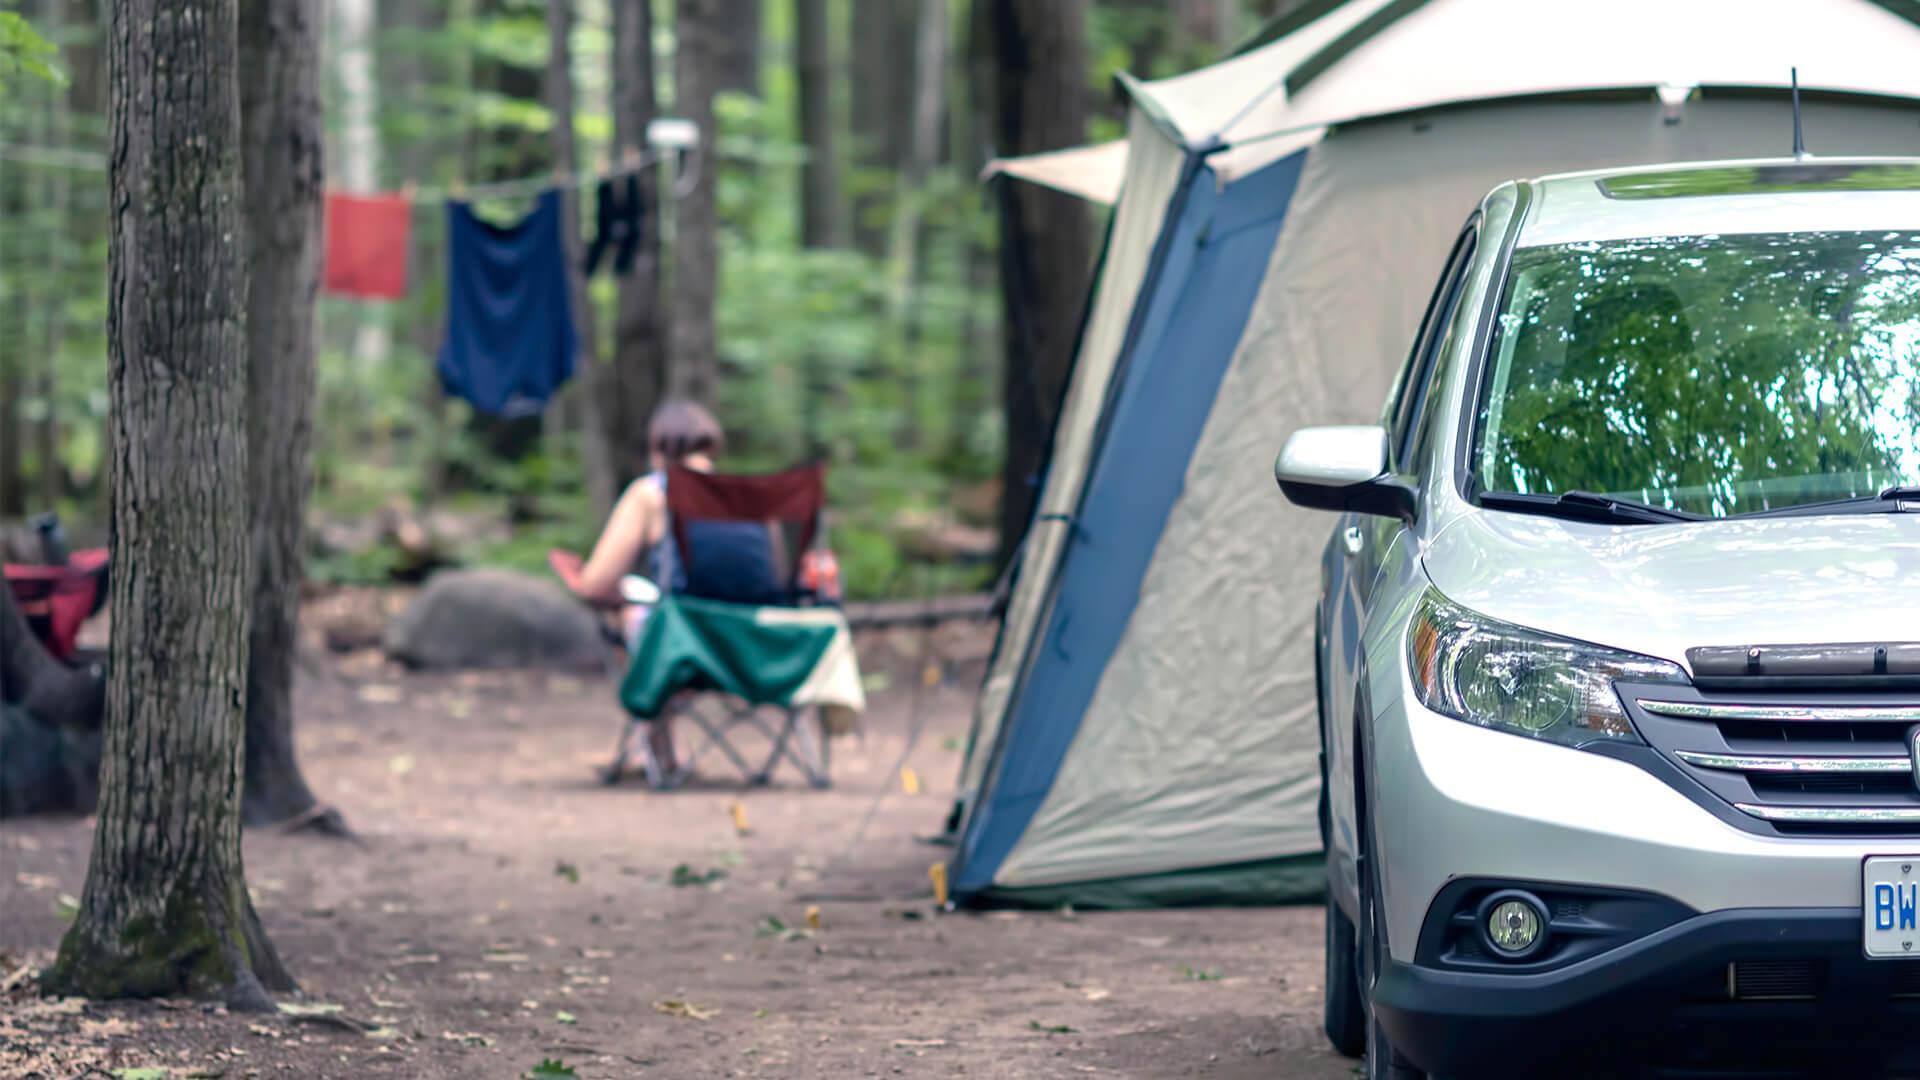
[(1890, 907)]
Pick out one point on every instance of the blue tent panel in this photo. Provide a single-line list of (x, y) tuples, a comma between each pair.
[(1168, 376)]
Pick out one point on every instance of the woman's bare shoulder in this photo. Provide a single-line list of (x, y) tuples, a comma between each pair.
[(646, 491)]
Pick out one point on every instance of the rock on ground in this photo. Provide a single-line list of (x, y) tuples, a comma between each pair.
[(496, 619)]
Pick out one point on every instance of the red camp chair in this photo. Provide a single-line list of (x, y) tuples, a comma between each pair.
[(56, 600), (741, 540)]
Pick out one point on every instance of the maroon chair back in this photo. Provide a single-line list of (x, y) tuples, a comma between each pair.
[(716, 516)]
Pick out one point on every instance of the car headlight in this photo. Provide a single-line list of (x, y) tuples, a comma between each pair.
[(1490, 673)]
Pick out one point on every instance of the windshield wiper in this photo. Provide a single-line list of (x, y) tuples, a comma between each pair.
[(1585, 506), (1899, 499)]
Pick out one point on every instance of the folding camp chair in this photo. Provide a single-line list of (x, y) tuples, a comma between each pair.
[(737, 545), (56, 600)]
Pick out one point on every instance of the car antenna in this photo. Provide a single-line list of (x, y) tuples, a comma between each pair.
[(1799, 144)]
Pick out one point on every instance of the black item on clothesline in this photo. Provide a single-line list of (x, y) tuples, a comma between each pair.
[(618, 218)]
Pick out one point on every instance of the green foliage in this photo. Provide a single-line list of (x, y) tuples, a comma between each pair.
[(820, 358), (24, 52)]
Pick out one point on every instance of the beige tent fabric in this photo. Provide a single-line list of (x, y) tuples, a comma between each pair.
[(1153, 171), (1093, 173), (1200, 746), (1450, 51)]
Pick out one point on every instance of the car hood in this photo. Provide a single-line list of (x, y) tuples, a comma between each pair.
[(1663, 589)]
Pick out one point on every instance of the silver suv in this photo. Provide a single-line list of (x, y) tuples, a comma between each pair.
[(1619, 634)]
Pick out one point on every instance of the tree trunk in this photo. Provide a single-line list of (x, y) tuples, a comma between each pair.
[(822, 225), (1212, 23), (357, 29), (700, 26), (165, 910), (882, 34), (283, 178), (13, 488), (407, 81), (1046, 238), (566, 162), (53, 197), (923, 148), (737, 47), (640, 348)]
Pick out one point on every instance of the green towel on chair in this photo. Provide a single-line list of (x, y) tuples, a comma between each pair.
[(790, 657)]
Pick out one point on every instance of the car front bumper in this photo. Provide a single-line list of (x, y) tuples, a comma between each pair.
[(1667, 993), (1453, 801)]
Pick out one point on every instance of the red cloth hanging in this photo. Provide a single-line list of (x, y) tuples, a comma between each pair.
[(367, 240)]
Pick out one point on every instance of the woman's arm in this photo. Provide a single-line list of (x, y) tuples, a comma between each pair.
[(634, 525)]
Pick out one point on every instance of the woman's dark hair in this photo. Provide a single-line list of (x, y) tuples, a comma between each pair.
[(680, 428)]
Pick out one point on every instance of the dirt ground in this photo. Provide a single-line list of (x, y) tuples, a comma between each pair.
[(502, 909)]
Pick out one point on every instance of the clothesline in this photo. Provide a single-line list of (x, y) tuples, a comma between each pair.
[(90, 161)]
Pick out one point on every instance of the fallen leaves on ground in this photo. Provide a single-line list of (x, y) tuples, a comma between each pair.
[(467, 1038), (1050, 1029), (685, 876), (775, 926), (380, 694), (687, 1009)]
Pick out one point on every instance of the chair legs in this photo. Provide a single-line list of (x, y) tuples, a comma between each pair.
[(799, 738), (611, 772)]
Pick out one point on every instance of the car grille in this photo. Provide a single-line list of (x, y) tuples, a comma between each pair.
[(1827, 763)]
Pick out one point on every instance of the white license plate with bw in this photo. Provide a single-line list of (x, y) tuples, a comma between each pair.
[(1890, 905)]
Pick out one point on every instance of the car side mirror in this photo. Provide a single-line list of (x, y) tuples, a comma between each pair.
[(1343, 468)]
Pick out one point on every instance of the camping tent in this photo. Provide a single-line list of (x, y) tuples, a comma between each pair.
[(1146, 733)]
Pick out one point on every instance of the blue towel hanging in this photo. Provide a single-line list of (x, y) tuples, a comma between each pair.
[(510, 334)]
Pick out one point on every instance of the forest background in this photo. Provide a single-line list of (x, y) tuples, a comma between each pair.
[(828, 271)]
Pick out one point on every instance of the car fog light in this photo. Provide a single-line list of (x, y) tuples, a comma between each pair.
[(1513, 926)]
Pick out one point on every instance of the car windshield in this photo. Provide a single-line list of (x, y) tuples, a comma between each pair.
[(1715, 375)]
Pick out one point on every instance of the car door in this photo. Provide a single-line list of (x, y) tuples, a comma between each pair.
[(1360, 543)]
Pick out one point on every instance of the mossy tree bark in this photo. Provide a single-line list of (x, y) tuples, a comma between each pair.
[(165, 910), (284, 174)]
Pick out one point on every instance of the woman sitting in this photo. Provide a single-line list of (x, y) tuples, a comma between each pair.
[(635, 539)]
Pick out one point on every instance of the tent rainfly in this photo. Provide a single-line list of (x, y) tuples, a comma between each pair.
[(1147, 731)]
